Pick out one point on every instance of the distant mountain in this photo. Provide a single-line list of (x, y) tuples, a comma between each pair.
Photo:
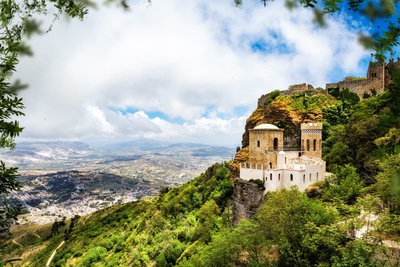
[(150, 146), (135, 146), (61, 151), (214, 151), (28, 152)]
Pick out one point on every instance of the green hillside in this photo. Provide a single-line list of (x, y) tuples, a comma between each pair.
[(191, 225)]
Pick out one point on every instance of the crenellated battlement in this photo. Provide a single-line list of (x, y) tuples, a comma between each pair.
[(311, 126)]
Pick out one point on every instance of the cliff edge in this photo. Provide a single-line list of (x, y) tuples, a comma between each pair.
[(286, 112)]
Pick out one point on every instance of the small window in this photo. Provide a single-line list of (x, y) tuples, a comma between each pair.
[(310, 176), (275, 143), (258, 143), (315, 145), (291, 177), (304, 178), (270, 165), (270, 176), (285, 160), (308, 144), (279, 176), (317, 176)]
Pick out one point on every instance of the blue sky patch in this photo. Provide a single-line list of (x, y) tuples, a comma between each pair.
[(151, 114), (259, 46), (242, 111), (275, 43), (163, 116)]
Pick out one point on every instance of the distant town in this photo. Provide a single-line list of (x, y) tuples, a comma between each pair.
[(55, 187)]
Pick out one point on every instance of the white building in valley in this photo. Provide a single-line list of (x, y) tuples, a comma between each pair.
[(282, 167)]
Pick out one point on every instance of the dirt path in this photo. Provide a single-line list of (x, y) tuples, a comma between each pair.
[(15, 242), (369, 219), (54, 253)]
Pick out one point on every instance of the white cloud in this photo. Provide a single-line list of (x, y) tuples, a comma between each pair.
[(188, 60)]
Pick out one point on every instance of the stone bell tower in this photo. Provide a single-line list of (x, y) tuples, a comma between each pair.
[(311, 139)]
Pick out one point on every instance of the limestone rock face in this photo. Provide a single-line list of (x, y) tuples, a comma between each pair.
[(288, 113), (277, 113), (241, 156), (247, 199)]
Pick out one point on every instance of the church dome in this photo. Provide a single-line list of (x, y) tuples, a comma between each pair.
[(266, 126)]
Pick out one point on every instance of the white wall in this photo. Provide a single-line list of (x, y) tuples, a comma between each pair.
[(303, 176), (298, 174), (273, 180), (248, 174)]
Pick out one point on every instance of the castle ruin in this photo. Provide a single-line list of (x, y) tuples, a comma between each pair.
[(376, 81), (298, 88)]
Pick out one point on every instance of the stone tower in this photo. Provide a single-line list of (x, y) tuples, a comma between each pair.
[(311, 139), (376, 76), (265, 141)]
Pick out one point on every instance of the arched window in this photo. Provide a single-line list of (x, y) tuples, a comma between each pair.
[(308, 144), (304, 178), (291, 177), (258, 143), (302, 144), (310, 177), (317, 176), (275, 143), (270, 165), (270, 176), (315, 145), (285, 160), (279, 176)]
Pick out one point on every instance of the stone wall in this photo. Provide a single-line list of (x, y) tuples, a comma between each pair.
[(247, 199), (391, 64), (377, 79), (297, 89), (360, 87)]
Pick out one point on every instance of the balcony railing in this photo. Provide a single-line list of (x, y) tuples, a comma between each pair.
[(283, 148)]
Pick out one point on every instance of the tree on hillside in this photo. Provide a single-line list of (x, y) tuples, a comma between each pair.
[(17, 24), (10, 106)]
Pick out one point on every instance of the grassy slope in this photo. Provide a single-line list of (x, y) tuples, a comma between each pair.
[(135, 234), (187, 222)]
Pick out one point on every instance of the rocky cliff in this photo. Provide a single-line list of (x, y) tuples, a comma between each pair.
[(247, 198)]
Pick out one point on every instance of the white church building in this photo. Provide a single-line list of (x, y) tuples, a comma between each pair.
[(282, 167)]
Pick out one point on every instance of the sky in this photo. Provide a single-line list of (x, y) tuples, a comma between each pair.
[(178, 71)]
